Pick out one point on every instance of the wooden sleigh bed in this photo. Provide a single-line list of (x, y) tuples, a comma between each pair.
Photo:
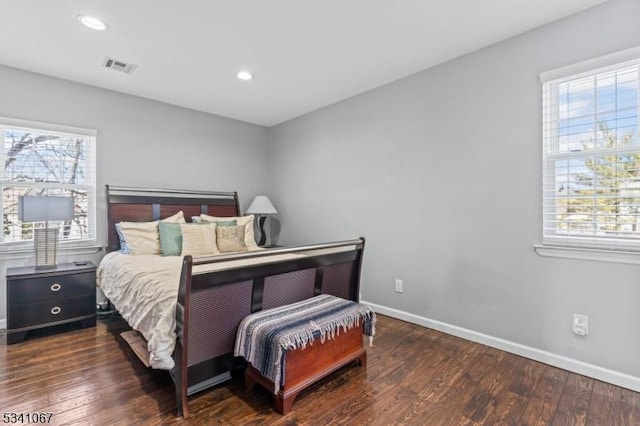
[(216, 293)]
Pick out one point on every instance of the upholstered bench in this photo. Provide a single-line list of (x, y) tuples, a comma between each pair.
[(291, 347)]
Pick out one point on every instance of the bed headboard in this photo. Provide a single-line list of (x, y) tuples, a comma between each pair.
[(127, 204)]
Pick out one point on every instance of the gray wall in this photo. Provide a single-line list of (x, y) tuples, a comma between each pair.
[(441, 172), (140, 143)]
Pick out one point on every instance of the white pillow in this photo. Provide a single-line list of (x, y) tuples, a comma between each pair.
[(140, 237), (199, 239), (143, 237), (246, 221), (176, 218)]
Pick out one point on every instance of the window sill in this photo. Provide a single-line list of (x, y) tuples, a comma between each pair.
[(600, 255), (23, 253)]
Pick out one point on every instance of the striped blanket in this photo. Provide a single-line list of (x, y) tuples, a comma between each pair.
[(265, 336)]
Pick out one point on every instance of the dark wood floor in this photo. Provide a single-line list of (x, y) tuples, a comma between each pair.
[(414, 376)]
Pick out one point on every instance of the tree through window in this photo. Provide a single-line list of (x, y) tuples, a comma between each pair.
[(47, 160), (591, 158)]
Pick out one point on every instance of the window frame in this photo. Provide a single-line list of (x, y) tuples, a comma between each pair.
[(90, 135), (611, 249)]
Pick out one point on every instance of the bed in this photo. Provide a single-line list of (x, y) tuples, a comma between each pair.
[(188, 308)]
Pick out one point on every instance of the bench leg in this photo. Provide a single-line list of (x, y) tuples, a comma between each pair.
[(363, 360), (284, 404), (249, 381)]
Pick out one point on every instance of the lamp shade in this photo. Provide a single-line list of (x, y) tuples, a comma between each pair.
[(261, 205), (42, 209)]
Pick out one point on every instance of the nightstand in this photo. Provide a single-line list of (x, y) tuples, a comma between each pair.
[(38, 298)]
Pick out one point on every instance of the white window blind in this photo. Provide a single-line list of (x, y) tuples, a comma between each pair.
[(591, 158), (46, 159)]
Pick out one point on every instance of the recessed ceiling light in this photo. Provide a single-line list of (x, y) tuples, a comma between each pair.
[(93, 23), (244, 75)]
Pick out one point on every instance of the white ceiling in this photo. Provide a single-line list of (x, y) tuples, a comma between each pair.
[(304, 54)]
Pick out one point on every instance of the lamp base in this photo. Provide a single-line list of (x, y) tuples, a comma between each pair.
[(45, 242), (263, 235)]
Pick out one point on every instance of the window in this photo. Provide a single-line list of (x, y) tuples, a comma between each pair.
[(591, 157), (45, 159)]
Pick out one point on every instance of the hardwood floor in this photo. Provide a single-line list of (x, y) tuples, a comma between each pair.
[(414, 376)]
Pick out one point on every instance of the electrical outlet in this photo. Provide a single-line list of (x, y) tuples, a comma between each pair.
[(398, 285), (580, 324)]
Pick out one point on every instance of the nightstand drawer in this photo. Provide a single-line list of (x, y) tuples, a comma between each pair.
[(50, 311), (50, 288)]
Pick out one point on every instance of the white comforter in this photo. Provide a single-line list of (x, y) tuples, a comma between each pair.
[(144, 289)]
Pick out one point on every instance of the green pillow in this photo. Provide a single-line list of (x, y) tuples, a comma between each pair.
[(170, 238), (232, 222)]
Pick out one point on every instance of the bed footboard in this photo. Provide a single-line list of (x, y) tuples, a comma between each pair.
[(216, 294)]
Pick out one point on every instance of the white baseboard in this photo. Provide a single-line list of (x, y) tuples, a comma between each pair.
[(589, 370)]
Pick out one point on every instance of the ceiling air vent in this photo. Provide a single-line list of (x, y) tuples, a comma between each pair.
[(117, 65)]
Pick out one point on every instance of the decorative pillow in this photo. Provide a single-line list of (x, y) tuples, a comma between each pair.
[(170, 238), (246, 221), (221, 222), (123, 243), (140, 237), (230, 238), (176, 218), (198, 239)]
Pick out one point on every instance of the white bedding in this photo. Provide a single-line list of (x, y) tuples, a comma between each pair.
[(144, 289)]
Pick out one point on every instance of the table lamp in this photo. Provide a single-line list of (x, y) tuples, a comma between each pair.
[(261, 206), (45, 209)]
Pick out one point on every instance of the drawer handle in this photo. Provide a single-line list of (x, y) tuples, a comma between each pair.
[(56, 310), (56, 287)]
